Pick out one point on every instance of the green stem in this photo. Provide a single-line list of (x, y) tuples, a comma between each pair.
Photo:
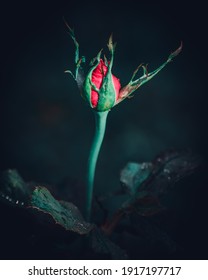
[(100, 125)]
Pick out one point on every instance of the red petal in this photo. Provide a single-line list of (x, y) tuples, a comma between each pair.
[(97, 78), (117, 86), (94, 98)]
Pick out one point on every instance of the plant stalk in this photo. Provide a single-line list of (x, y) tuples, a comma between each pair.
[(100, 125)]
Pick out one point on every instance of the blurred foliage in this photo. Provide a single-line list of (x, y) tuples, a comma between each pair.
[(142, 187)]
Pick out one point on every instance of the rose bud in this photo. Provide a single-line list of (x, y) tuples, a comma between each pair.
[(100, 88)]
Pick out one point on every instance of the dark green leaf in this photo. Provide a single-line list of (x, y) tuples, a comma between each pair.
[(134, 174), (157, 176), (13, 189), (63, 213), (146, 185), (169, 168)]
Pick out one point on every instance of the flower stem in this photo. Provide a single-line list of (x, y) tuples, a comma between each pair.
[(100, 125)]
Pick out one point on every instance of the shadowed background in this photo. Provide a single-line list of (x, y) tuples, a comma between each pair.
[(47, 128)]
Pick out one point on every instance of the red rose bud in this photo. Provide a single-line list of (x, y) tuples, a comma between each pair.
[(98, 75), (100, 87)]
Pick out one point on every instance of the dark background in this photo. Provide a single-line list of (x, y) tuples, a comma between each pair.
[(46, 127)]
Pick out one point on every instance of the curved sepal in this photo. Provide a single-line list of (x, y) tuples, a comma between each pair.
[(78, 75), (88, 85), (135, 84), (107, 92)]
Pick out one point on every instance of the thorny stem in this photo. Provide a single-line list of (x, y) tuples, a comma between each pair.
[(100, 125)]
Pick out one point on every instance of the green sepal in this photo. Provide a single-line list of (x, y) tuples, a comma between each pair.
[(134, 85), (77, 76), (107, 95), (106, 61), (70, 72), (71, 33), (87, 85)]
